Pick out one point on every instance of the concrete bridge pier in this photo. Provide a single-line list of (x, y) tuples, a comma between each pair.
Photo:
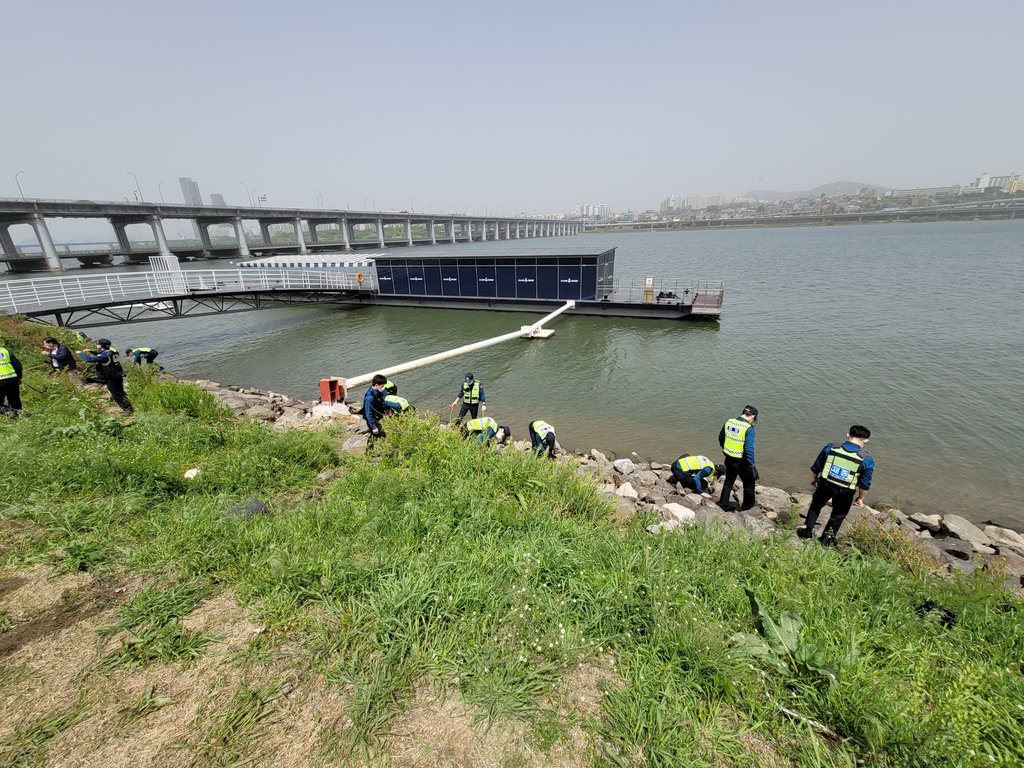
[(164, 262), (451, 230), (380, 232), (408, 232), (483, 231), (243, 247), (433, 232), (314, 236), (123, 241), (203, 230), (469, 230), (346, 235), (298, 236), (265, 232)]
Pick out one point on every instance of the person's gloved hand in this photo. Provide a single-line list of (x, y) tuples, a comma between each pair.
[(757, 475)]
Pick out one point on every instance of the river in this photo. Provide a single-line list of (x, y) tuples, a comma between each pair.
[(914, 330)]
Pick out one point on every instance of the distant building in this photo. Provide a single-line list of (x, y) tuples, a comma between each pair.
[(923, 192), (987, 181), (217, 199), (672, 204), (592, 211), (190, 191)]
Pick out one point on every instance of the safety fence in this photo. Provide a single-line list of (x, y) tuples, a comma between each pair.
[(55, 293)]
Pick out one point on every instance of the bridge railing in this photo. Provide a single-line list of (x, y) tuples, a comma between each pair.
[(54, 293)]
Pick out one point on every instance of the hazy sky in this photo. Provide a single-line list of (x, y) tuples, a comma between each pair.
[(505, 107)]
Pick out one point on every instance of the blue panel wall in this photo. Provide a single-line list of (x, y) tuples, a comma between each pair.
[(467, 281), (417, 282), (569, 282), (588, 281), (506, 281), (449, 280), (401, 277), (385, 279), (547, 281), (526, 282), (432, 279), (486, 281)]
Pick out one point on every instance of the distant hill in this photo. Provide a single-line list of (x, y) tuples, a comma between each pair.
[(831, 190)]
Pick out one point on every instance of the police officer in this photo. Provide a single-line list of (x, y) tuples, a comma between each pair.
[(486, 428), (373, 406), (542, 437), (109, 371), (472, 396), (139, 352), (695, 472), (843, 474), (10, 381), (390, 388), (738, 442), (396, 404)]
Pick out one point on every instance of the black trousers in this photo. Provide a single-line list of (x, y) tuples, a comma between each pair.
[(471, 408), (684, 478), (842, 500), (10, 393), (738, 468), (116, 389)]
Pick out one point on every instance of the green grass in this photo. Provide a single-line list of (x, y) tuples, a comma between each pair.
[(493, 575), (27, 746)]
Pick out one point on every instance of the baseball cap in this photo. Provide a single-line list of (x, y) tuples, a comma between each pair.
[(469, 377), (750, 410)]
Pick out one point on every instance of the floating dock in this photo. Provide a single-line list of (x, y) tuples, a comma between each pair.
[(525, 280)]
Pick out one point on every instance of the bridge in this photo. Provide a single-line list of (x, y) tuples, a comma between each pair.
[(307, 230), (102, 299)]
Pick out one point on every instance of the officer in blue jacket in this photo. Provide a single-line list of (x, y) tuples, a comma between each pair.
[(738, 443), (109, 371), (695, 472), (842, 473), (374, 407)]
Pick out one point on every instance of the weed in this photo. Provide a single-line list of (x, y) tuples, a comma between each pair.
[(228, 739), (27, 745), (149, 703)]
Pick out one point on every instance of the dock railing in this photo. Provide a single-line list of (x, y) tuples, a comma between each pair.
[(705, 296), (55, 293)]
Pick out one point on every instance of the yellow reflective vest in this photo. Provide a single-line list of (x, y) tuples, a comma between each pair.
[(481, 425), (396, 403), (6, 366), (695, 464), (842, 467), (471, 393), (735, 437), (542, 428)]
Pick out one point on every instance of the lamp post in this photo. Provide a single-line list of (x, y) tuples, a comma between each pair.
[(137, 186), (371, 199), (19, 184), (159, 188), (247, 193), (320, 197)]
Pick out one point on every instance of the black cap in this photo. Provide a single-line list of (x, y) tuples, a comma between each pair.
[(719, 469), (103, 342), (750, 410), (469, 377)]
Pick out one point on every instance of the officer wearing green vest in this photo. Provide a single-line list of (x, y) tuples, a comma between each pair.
[(695, 472), (542, 437), (142, 352), (10, 381), (396, 404), (390, 388), (472, 396), (841, 473), (738, 443), (486, 428)]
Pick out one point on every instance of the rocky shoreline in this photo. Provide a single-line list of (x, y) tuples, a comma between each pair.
[(637, 487)]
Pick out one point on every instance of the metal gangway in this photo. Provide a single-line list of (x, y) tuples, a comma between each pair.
[(156, 295)]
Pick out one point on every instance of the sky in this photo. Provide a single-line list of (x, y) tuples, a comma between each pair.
[(500, 108)]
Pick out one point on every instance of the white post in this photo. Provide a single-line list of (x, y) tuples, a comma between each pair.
[(380, 232), (451, 231), (345, 235), (46, 243), (243, 247), (433, 232), (298, 236), (408, 231)]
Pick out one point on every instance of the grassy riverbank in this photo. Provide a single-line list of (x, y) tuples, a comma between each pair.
[(435, 603)]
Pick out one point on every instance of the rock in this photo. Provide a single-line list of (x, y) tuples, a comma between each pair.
[(598, 455), (624, 509), (1009, 562), (247, 509), (964, 529), (654, 498), (324, 411), (958, 548), (655, 466), (259, 413), (966, 567), (647, 478), (356, 443), (692, 501), (932, 523), (666, 475), (678, 513), (625, 466), (983, 549), (235, 402), (774, 500), (662, 527), (607, 488), (627, 491), (1004, 537), (326, 476), (191, 474), (291, 417), (521, 445)]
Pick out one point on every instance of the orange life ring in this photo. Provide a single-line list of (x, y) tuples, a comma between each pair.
[(359, 277)]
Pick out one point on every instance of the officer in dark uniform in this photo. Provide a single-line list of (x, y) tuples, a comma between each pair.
[(738, 443), (472, 396), (142, 352), (841, 473), (695, 472), (10, 381), (109, 371), (485, 427), (542, 437)]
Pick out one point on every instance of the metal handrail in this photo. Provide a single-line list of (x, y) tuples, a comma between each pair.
[(54, 293)]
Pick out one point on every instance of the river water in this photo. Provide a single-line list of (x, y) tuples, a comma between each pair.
[(914, 330)]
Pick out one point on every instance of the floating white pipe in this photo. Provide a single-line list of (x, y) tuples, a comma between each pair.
[(525, 332)]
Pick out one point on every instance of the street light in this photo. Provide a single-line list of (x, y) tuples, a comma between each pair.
[(19, 183), (371, 199), (248, 193), (137, 185), (320, 197), (159, 188)]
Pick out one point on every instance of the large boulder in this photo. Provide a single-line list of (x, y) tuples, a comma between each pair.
[(623, 509), (682, 515), (598, 455), (236, 403), (954, 547), (356, 443), (1004, 537), (259, 413), (325, 411), (774, 500), (692, 501), (964, 529), (625, 466), (646, 478), (932, 523), (627, 491)]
